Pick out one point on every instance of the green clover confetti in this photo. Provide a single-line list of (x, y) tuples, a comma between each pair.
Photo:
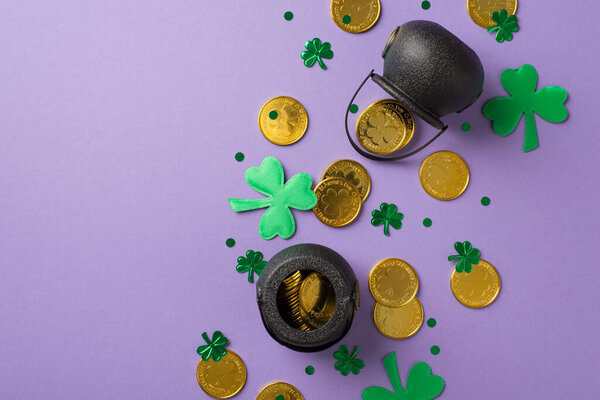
[(348, 362), (506, 112), (505, 25), (253, 263), (387, 215), (421, 384), (316, 51), (467, 256), (214, 348), (268, 179)]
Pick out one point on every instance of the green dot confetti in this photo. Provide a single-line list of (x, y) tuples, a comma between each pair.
[(466, 127), (288, 15), (230, 242), (427, 222), (431, 322), (353, 108), (346, 19), (273, 115), (425, 5), (280, 397), (485, 201), (239, 156), (435, 350), (309, 370)]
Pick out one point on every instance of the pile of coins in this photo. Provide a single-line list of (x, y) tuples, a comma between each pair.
[(444, 175), (344, 186), (385, 127), (478, 288), (224, 378), (306, 300), (398, 313)]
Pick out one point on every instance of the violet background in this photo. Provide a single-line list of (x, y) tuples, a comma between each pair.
[(119, 121)]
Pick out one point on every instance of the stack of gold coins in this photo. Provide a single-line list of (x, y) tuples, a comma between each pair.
[(385, 127), (444, 175), (398, 313), (306, 300), (345, 185)]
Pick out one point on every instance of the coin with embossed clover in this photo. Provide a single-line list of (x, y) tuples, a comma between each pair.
[(355, 16), (274, 390), (481, 11), (444, 175), (354, 172), (338, 202), (393, 282), (283, 120), (224, 378), (317, 299), (407, 119), (382, 129), (478, 288), (399, 322)]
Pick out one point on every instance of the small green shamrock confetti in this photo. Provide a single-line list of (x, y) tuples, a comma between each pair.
[(348, 362), (214, 348), (315, 51), (506, 112), (505, 25), (253, 263), (268, 179), (421, 384), (467, 256), (386, 216)]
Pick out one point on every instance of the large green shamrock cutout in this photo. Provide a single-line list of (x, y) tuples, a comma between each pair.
[(214, 348), (268, 179), (387, 215), (506, 112), (421, 384), (467, 256), (316, 51), (505, 25), (348, 362), (253, 263)]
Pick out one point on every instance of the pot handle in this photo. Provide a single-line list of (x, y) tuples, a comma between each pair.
[(372, 156)]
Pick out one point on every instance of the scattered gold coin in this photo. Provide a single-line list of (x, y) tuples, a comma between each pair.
[(384, 127), (352, 171), (338, 202), (283, 120), (393, 282), (224, 378), (481, 11), (355, 16), (444, 175), (399, 322), (270, 392), (476, 289), (317, 300)]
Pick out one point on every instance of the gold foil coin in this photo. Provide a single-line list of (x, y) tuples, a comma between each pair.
[(476, 289), (399, 322), (288, 302), (384, 127), (283, 120), (393, 282), (273, 390), (444, 175), (353, 172), (338, 202), (481, 11), (355, 16), (317, 299), (224, 378)]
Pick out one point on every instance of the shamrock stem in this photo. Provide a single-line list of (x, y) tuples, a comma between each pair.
[(531, 135), (391, 368), (249, 204), (321, 63), (205, 337), (386, 228)]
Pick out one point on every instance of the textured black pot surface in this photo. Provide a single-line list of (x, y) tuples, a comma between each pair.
[(308, 258)]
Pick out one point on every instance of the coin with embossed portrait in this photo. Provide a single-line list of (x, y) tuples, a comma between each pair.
[(481, 11), (224, 378), (355, 16), (283, 120)]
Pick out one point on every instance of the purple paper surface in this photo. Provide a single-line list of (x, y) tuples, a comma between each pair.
[(119, 123)]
